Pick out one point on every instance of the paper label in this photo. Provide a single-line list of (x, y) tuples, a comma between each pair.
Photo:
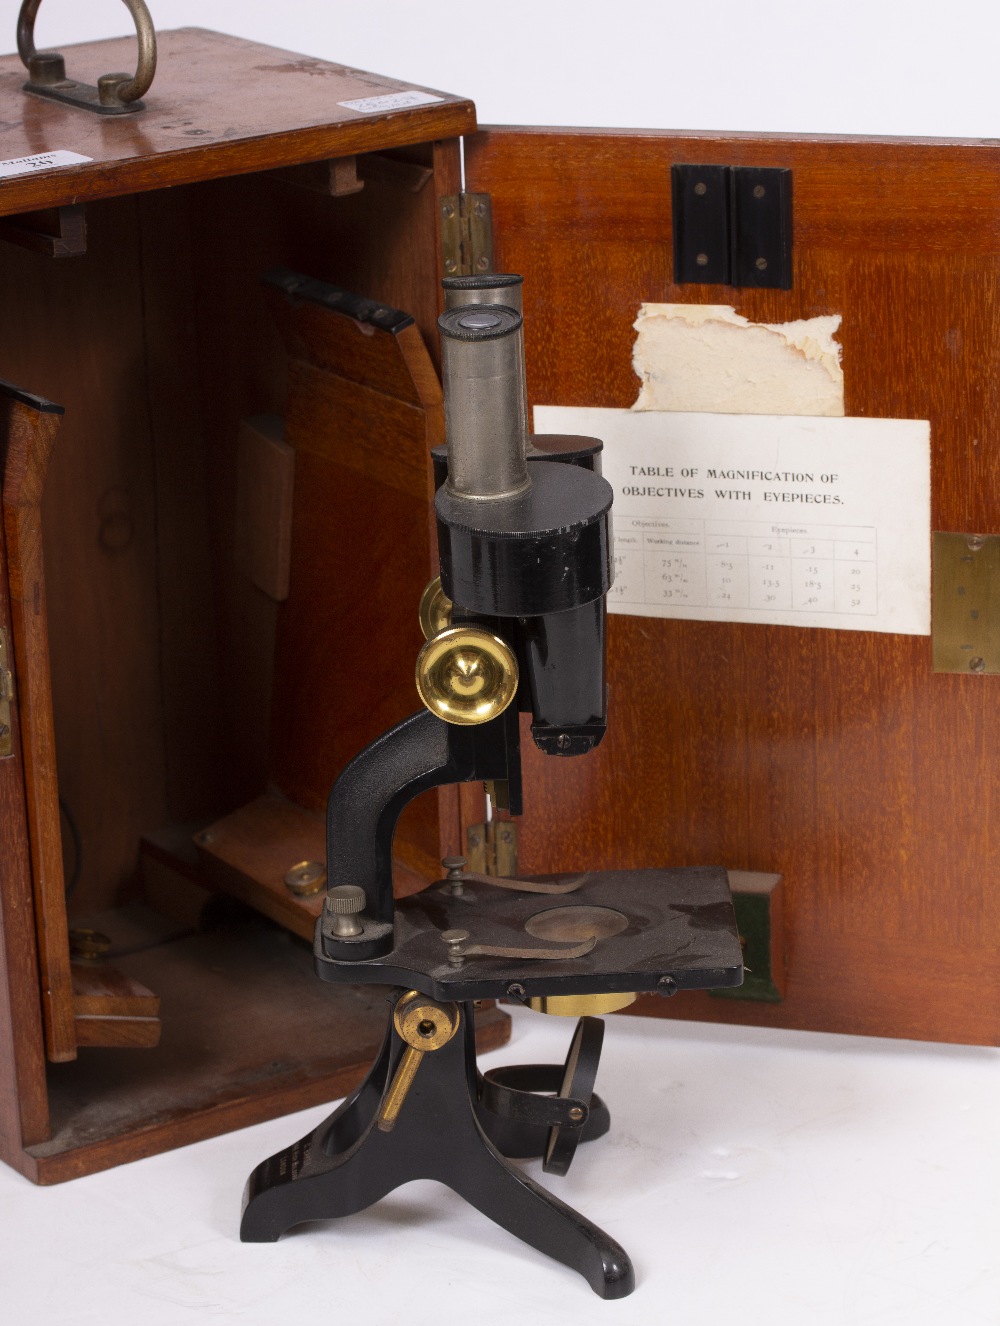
[(41, 161), (784, 519), (390, 101)]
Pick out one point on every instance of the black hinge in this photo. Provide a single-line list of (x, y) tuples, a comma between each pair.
[(732, 225)]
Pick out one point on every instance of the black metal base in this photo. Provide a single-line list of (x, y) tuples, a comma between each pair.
[(443, 1132)]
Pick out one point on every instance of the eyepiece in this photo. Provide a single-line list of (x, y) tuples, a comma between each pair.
[(482, 356)]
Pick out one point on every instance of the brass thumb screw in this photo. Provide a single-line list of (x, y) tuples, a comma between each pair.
[(424, 1025)]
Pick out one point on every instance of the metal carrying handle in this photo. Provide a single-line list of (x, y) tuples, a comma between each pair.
[(47, 68)]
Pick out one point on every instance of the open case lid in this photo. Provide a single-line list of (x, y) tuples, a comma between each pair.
[(218, 106), (838, 757)]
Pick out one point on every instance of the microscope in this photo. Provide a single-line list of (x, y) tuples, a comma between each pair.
[(515, 625)]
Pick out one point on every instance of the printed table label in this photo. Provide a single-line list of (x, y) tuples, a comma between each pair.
[(788, 520), (41, 161), (390, 101)]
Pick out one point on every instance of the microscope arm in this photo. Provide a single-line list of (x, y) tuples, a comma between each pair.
[(366, 801)]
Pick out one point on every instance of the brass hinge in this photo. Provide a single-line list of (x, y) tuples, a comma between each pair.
[(466, 234), (6, 697), (492, 848), (965, 622)]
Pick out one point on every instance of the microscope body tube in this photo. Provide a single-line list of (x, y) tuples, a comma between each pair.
[(532, 560), (482, 355), (496, 288)]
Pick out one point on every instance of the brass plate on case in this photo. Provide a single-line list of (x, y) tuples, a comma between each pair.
[(965, 605), (6, 695)]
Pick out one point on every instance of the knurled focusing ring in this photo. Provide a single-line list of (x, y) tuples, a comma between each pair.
[(346, 899), (491, 288), (489, 281), (479, 322)]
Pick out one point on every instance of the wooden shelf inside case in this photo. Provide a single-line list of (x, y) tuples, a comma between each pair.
[(248, 1033), (249, 853)]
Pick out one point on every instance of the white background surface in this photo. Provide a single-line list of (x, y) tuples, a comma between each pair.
[(920, 67), (757, 1178)]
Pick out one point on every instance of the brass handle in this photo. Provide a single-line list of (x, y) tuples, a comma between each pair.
[(47, 68), (424, 1025)]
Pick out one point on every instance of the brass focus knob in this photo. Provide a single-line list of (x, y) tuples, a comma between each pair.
[(466, 676), (435, 609)]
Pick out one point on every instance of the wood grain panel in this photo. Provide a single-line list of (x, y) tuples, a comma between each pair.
[(24, 1110), (187, 642), (836, 758), (27, 437), (102, 990), (334, 343), (265, 487), (359, 545), (77, 337), (379, 243)]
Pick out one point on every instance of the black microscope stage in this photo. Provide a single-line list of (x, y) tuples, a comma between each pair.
[(658, 930)]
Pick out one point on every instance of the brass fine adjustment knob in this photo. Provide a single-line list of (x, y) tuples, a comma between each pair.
[(345, 901)]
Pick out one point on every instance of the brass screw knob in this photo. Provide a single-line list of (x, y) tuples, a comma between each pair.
[(305, 879), (88, 943), (454, 880), (345, 901), (455, 939)]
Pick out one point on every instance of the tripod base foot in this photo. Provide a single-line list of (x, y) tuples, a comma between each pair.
[(348, 1163)]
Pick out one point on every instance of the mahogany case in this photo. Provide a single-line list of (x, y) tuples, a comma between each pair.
[(215, 531)]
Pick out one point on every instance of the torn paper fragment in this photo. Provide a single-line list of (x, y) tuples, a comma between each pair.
[(708, 357)]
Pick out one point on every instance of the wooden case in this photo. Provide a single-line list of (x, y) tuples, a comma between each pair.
[(210, 562)]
